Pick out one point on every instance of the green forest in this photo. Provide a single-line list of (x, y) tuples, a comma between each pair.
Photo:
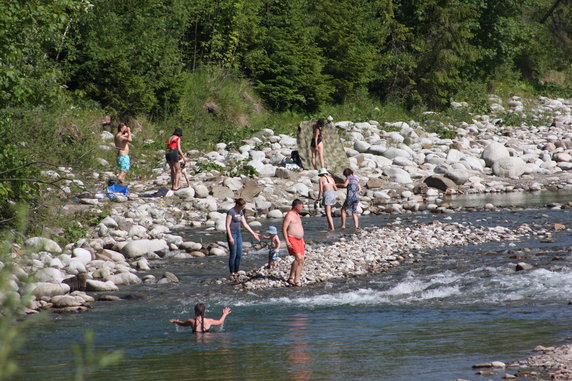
[(221, 68)]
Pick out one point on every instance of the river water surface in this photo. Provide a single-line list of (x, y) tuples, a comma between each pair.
[(430, 319)]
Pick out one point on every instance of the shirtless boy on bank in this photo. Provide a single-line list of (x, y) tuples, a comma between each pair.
[(293, 232), (122, 138)]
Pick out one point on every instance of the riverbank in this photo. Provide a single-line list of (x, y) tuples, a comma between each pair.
[(402, 170)]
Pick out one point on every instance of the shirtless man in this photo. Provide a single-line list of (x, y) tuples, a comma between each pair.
[(122, 138), (293, 232)]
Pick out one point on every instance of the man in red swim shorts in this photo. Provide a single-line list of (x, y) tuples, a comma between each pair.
[(293, 232)]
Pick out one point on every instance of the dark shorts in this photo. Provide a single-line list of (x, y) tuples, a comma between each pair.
[(172, 155)]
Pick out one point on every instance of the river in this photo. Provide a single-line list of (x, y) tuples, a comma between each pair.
[(429, 319)]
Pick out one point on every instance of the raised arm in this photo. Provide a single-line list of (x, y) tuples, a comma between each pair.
[(128, 137), (225, 312)]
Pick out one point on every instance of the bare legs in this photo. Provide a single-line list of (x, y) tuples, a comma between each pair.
[(329, 217), (354, 216), (318, 151), (175, 175), (296, 269), (121, 177)]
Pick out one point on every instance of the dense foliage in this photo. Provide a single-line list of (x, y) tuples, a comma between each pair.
[(183, 62)]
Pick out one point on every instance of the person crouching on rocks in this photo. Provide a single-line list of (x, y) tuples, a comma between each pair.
[(234, 219), (328, 190), (200, 323)]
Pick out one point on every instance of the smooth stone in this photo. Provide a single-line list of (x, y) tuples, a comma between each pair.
[(494, 152), (124, 279), (50, 289), (82, 255), (97, 285), (138, 248), (43, 244)]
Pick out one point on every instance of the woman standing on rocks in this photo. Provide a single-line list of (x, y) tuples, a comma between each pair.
[(328, 189), (317, 143), (352, 198), (173, 155), (234, 219)]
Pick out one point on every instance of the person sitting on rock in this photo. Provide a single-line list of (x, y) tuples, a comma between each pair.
[(200, 323)]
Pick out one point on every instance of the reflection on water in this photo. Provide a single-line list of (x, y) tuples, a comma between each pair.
[(298, 356)]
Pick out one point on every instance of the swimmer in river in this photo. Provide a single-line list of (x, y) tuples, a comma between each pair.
[(200, 323)]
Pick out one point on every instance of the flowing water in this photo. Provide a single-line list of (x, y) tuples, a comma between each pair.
[(430, 319)]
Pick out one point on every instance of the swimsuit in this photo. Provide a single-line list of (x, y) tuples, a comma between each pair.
[(320, 138), (298, 245), (352, 198), (329, 197), (273, 254), (172, 155), (123, 163)]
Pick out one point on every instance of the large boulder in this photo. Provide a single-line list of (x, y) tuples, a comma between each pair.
[(201, 191), (440, 182), (250, 190), (50, 289), (392, 153), (43, 244), (233, 183), (139, 248), (222, 192), (361, 146), (494, 152), (110, 255), (49, 275), (509, 167), (398, 175), (186, 193), (82, 255)]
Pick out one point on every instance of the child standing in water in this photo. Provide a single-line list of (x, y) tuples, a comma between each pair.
[(352, 198), (200, 323), (274, 248)]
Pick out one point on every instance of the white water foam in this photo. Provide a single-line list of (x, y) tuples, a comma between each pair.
[(482, 286)]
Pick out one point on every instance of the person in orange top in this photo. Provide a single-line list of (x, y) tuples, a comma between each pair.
[(173, 155)]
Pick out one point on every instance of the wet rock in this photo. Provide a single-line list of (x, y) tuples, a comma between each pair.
[(440, 182), (108, 298), (124, 279), (96, 285), (522, 266), (168, 277)]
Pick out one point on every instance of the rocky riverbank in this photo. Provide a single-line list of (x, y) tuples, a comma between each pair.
[(376, 250), (402, 169)]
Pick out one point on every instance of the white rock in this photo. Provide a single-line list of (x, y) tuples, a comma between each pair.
[(509, 167), (186, 193), (62, 301), (124, 279), (135, 249), (392, 153), (361, 146), (493, 152), (109, 222), (143, 264), (233, 183), (275, 213), (97, 285), (206, 204), (217, 251), (76, 267), (398, 175), (49, 275), (43, 244), (201, 191), (82, 255), (50, 289)]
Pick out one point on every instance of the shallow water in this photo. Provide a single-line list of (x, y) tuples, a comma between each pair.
[(426, 320)]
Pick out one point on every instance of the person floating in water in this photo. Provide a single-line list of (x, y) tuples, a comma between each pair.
[(200, 323)]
